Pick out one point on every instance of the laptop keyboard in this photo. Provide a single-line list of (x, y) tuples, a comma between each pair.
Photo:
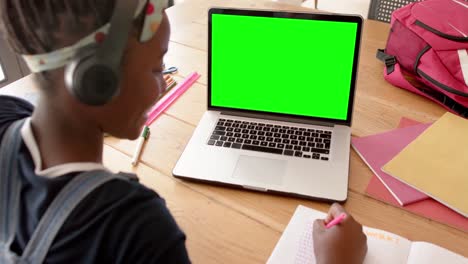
[(276, 139)]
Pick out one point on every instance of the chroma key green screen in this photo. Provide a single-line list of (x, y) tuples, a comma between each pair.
[(282, 65)]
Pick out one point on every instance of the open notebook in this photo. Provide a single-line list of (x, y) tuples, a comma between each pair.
[(296, 245)]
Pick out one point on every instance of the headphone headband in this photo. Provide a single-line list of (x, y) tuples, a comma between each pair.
[(112, 50)]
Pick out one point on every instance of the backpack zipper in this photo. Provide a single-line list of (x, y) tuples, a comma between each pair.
[(441, 85), (439, 33)]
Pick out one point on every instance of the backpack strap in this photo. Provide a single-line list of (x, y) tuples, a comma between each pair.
[(10, 185), (389, 60), (67, 200)]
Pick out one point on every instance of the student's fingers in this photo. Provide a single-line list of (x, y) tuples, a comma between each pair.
[(319, 226), (329, 218), (335, 210)]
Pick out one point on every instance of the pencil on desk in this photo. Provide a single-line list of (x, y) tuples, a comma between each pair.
[(145, 133), (171, 85), (144, 136), (170, 96)]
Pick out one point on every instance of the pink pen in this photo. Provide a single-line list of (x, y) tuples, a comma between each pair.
[(336, 221), (171, 97)]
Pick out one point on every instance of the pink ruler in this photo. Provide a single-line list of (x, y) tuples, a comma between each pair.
[(171, 97)]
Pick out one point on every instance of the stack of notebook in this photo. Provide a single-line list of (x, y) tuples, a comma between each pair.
[(422, 168)]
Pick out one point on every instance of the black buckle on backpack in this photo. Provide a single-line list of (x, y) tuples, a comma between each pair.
[(390, 63), (389, 60)]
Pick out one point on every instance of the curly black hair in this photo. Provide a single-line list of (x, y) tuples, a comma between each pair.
[(31, 26)]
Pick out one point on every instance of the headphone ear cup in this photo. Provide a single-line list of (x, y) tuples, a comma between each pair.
[(90, 81)]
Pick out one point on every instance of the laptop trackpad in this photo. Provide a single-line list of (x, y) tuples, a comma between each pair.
[(260, 170)]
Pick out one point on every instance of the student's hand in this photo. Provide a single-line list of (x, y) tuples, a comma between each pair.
[(342, 243)]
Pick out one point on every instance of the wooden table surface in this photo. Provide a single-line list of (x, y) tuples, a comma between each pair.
[(235, 226)]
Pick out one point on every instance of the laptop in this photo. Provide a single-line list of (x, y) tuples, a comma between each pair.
[(280, 102)]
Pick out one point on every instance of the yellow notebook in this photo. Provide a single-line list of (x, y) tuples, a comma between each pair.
[(436, 163)]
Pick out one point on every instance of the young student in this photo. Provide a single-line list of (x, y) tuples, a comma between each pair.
[(122, 221)]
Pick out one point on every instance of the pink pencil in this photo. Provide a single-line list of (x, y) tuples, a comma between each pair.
[(171, 97), (336, 221)]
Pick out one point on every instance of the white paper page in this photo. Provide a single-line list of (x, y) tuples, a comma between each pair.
[(385, 247), (296, 244), (422, 252)]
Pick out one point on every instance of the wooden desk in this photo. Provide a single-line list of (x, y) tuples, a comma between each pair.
[(235, 226)]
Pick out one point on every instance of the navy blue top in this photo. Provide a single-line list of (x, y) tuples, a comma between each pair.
[(120, 222)]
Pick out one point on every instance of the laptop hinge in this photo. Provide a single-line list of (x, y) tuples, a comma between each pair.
[(280, 118)]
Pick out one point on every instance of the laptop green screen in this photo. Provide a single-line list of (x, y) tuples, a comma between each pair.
[(282, 65)]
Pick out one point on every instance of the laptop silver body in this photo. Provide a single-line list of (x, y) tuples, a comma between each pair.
[(283, 153)]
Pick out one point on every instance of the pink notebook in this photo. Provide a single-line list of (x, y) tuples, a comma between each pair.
[(428, 208), (406, 122), (377, 150)]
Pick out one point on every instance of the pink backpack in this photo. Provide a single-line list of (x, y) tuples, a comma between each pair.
[(426, 52)]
